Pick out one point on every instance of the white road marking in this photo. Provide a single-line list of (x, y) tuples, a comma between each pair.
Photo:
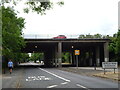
[(56, 75), (64, 83), (52, 86), (6, 77), (82, 86), (26, 79), (34, 78)]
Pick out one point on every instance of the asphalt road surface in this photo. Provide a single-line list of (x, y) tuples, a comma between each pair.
[(36, 77)]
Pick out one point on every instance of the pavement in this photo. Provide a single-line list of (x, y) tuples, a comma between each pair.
[(12, 80), (37, 77)]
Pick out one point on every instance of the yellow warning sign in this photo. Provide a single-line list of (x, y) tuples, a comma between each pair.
[(77, 52)]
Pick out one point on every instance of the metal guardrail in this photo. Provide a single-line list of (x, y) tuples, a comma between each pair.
[(43, 36)]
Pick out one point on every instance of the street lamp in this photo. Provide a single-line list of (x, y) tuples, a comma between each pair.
[(72, 46), (35, 46), (72, 54)]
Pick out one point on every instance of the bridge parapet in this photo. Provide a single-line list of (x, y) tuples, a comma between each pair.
[(51, 36), (46, 36)]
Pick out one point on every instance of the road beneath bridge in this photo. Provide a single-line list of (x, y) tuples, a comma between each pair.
[(37, 77)]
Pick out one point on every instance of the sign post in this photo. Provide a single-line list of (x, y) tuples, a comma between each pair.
[(109, 65), (77, 52)]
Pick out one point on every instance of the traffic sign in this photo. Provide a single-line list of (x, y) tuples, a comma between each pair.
[(77, 52), (109, 65)]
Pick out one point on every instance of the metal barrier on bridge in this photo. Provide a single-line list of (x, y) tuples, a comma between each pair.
[(43, 36)]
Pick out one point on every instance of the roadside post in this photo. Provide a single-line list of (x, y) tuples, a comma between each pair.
[(77, 52), (109, 65), (95, 66)]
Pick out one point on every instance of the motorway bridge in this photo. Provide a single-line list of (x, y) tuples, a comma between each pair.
[(96, 50)]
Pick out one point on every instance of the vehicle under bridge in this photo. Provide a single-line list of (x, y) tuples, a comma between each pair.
[(92, 51)]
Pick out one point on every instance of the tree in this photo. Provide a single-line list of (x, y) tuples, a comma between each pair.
[(89, 36), (12, 26), (39, 6), (66, 57), (118, 46), (97, 35), (36, 56), (82, 36), (114, 47)]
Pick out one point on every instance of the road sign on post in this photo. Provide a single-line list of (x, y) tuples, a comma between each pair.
[(109, 65), (77, 52)]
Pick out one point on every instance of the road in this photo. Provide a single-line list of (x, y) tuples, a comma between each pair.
[(36, 77)]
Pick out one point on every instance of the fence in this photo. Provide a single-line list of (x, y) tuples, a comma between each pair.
[(43, 36)]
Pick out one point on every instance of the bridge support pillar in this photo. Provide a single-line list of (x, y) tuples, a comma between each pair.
[(106, 52), (56, 57), (71, 58), (60, 54), (97, 56)]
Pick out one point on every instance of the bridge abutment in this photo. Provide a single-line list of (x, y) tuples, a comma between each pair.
[(106, 52), (59, 54)]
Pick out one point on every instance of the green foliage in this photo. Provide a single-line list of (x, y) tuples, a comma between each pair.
[(61, 3), (38, 6), (95, 36), (12, 26), (118, 43), (114, 47), (36, 56), (21, 57), (66, 57), (82, 36)]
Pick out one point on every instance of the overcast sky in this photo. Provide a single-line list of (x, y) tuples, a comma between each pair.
[(75, 17)]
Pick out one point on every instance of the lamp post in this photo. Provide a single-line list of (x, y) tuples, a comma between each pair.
[(77, 52), (72, 57)]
